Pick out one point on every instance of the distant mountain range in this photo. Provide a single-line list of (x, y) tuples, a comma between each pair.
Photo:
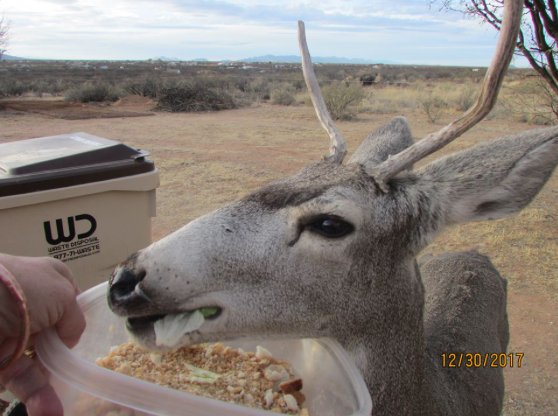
[(287, 59), (315, 59), (165, 58), (173, 59), (12, 58)]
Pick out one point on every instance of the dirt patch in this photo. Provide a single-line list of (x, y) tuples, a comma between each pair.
[(135, 103), (531, 389), (70, 111)]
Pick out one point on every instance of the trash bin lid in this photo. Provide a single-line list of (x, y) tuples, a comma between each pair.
[(67, 160)]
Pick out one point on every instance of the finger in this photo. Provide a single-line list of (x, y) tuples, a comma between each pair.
[(71, 325), (65, 272), (30, 385), (44, 402)]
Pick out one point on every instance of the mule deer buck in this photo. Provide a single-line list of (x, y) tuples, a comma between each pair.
[(330, 252)]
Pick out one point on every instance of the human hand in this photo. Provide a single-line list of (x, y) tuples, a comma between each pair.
[(51, 299)]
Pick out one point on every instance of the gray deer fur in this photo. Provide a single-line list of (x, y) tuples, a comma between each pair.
[(262, 262)]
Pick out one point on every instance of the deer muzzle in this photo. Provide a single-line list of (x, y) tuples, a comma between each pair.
[(125, 293)]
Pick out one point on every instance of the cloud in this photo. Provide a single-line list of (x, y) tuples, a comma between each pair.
[(213, 7), (319, 13), (61, 1), (139, 29)]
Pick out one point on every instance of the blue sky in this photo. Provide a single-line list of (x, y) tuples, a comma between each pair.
[(403, 31)]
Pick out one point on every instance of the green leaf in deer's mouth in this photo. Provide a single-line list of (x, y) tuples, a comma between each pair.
[(207, 312)]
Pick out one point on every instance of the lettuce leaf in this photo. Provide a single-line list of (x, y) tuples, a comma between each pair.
[(170, 329)]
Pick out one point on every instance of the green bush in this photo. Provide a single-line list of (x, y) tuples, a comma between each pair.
[(343, 101), (368, 79), (146, 87), (533, 102), (283, 95), (39, 88), (49, 86), (13, 89), (195, 95), (93, 91), (466, 98), (433, 106), (259, 89), (58, 86)]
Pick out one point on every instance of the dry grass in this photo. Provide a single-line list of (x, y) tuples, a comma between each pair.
[(390, 100), (531, 101), (522, 101), (522, 248), (434, 99)]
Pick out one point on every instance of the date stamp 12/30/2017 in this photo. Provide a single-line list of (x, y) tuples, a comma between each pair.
[(484, 360)]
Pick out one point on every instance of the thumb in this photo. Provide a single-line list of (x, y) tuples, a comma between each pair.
[(71, 325)]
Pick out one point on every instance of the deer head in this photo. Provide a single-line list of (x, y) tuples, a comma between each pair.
[(329, 252)]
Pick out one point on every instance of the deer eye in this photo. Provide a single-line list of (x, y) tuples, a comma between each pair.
[(330, 226)]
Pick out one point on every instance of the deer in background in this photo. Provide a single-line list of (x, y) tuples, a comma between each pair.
[(330, 252)]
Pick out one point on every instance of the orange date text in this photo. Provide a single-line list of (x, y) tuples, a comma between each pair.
[(484, 360)]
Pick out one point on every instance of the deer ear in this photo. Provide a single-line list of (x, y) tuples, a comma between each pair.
[(492, 180), (390, 139)]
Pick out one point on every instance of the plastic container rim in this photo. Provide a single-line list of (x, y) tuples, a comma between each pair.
[(60, 361)]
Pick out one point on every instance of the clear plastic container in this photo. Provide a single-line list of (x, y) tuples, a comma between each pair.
[(332, 384)]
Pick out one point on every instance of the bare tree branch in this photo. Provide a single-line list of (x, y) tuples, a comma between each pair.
[(552, 8), (489, 13), (549, 25), (535, 65), (4, 35), (538, 36)]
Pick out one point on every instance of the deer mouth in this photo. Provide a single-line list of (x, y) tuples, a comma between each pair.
[(171, 331), (142, 322), (135, 323)]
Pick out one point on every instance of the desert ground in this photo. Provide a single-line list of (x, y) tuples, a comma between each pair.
[(209, 159)]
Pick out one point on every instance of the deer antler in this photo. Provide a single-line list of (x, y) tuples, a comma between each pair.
[(434, 141), (337, 148), (492, 82)]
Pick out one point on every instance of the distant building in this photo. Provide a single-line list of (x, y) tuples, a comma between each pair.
[(173, 71)]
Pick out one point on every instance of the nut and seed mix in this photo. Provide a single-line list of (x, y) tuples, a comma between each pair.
[(231, 375)]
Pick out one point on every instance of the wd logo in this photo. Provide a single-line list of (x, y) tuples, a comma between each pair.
[(72, 238), (68, 233)]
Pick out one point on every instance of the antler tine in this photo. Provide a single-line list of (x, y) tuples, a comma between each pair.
[(337, 147), (493, 80)]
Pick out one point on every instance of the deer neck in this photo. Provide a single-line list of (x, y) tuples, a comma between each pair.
[(389, 349)]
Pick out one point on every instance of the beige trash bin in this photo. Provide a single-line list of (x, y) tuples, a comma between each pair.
[(82, 199)]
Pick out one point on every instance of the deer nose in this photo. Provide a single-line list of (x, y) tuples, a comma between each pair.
[(124, 290)]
